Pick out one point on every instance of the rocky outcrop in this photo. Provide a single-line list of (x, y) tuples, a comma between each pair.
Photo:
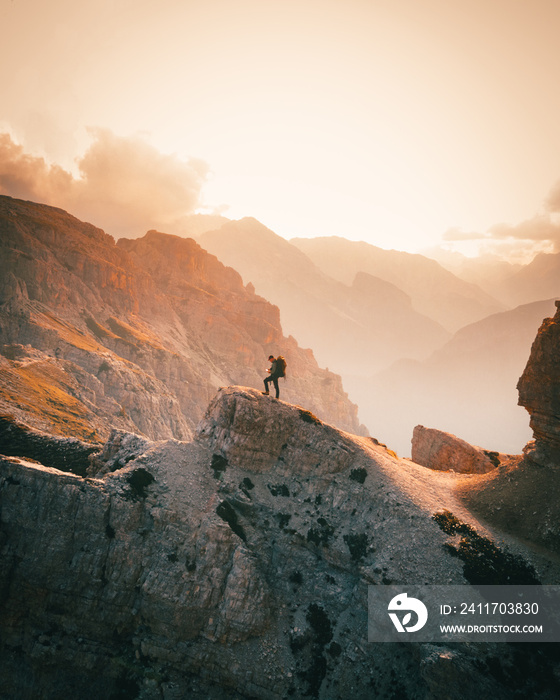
[(256, 433), (242, 557), (539, 392), (442, 451), (137, 335)]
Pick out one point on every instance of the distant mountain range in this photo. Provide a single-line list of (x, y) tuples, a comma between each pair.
[(435, 292), (540, 279), (512, 284), (358, 327)]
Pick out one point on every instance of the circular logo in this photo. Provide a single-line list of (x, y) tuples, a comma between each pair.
[(404, 604)]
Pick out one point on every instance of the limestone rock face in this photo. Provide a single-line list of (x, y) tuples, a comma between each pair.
[(137, 335), (539, 392), (442, 451), (242, 557)]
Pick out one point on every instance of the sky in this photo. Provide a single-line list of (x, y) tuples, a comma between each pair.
[(405, 123)]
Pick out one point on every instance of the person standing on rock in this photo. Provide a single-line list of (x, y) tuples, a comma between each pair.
[(277, 370)]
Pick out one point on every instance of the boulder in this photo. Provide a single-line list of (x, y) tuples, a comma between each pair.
[(442, 451)]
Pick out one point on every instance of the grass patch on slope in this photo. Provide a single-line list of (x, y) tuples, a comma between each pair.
[(42, 390)]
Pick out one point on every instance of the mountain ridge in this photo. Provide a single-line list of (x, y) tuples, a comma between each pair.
[(436, 292)]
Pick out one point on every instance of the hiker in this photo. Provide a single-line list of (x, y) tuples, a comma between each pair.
[(277, 369)]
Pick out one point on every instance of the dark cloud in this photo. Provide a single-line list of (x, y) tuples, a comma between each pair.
[(552, 202), (125, 185)]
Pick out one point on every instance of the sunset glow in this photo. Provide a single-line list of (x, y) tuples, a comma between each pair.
[(392, 122)]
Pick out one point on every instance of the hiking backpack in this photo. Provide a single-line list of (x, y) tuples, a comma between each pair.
[(280, 366)]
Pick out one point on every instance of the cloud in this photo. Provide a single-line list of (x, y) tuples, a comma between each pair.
[(514, 251), (539, 228), (29, 177), (125, 185), (456, 234), (517, 243)]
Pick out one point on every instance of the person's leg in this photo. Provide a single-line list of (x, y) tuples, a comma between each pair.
[(268, 379), (275, 382)]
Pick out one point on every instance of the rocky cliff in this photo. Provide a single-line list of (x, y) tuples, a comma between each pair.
[(236, 565), (137, 336), (539, 391)]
